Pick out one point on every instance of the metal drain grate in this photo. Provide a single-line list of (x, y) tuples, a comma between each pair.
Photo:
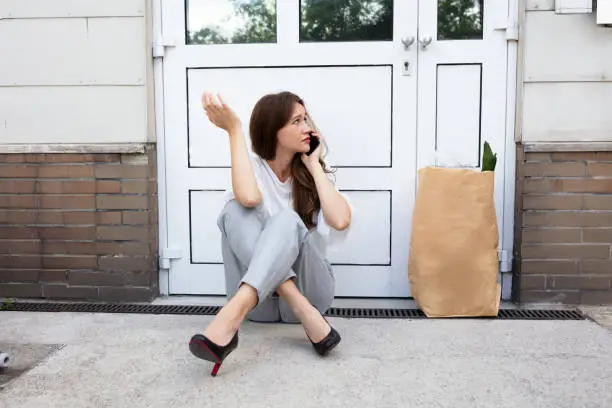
[(359, 313), (504, 314)]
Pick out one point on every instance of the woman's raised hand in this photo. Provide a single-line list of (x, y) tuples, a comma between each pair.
[(219, 113)]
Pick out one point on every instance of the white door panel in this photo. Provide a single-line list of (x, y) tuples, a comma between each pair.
[(334, 97)]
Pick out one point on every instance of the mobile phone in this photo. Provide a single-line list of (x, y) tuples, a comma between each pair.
[(314, 143)]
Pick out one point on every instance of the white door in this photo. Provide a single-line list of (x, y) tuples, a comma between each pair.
[(361, 77)]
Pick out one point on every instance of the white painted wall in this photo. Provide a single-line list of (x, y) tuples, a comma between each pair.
[(567, 76), (74, 72)]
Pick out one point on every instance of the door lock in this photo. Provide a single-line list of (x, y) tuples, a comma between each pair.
[(406, 68)]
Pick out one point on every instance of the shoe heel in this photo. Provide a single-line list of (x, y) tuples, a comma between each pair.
[(215, 369), (203, 348)]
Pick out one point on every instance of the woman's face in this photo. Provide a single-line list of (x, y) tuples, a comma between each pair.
[(294, 136)]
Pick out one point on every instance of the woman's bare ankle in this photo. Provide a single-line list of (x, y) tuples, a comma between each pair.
[(221, 330)]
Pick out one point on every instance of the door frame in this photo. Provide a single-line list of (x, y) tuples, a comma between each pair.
[(159, 45)]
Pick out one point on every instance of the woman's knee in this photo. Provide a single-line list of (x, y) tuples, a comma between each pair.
[(235, 214), (289, 217)]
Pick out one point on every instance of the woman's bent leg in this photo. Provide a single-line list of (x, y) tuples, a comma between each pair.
[(240, 230), (260, 255), (314, 277)]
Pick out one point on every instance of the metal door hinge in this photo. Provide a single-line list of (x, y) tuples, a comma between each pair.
[(511, 28), (160, 45), (505, 261), (167, 255)]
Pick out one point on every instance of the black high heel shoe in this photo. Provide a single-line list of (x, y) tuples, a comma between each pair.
[(201, 347), (328, 343)]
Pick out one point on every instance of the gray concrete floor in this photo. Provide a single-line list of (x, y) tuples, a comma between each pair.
[(112, 360)]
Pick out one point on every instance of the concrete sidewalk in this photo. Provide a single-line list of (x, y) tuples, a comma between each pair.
[(112, 360)]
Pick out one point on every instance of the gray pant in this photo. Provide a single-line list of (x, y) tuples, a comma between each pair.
[(266, 253)]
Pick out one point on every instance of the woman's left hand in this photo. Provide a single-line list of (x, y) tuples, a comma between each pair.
[(313, 159)]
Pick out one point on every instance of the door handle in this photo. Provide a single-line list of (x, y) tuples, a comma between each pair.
[(425, 41), (408, 42)]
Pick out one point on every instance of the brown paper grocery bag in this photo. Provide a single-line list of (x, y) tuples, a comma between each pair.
[(453, 264)]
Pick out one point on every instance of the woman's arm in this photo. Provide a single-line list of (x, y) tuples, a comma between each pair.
[(243, 177), (335, 209)]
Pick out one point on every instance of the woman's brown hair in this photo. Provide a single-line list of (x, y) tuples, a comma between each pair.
[(270, 114)]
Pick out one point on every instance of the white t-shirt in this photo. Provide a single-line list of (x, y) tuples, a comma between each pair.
[(277, 196)]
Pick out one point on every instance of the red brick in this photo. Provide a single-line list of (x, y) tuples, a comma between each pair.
[(137, 278), (80, 217), (107, 158), (152, 186), (21, 261), (112, 202), (65, 217), (552, 235), (550, 267), (66, 171), (582, 156), (596, 266), (136, 217), (552, 202), (70, 262), (83, 278), (135, 248), (58, 157), (19, 275), (603, 235), (537, 157), (597, 202), (54, 291), (18, 232), (51, 275), (566, 251), (550, 296), (12, 158), (48, 217), (123, 233), (600, 169), (566, 219), (69, 248), (68, 187), (17, 171), (120, 171), (13, 246), (93, 248), (579, 282), (554, 169), (134, 187), (20, 290), (16, 186), (67, 233), (530, 282), (17, 201), (126, 294), (19, 217), (600, 297), (123, 263), (108, 218), (68, 201), (108, 186), (536, 186), (581, 186)]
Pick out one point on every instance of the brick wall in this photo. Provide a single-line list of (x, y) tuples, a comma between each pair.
[(79, 226), (564, 227)]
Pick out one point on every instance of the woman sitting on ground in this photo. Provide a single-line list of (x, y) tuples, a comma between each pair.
[(281, 213)]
